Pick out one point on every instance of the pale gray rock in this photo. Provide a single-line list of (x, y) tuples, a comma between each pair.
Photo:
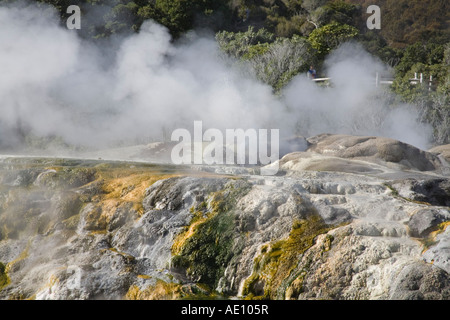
[(439, 253), (435, 191), (375, 149), (425, 221), (175, 193), (442, 151), (385, 224)]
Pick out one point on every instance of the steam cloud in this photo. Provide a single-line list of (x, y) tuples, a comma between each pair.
[(54, 83)]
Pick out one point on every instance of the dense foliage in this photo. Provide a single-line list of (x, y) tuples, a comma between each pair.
[(431, 97), (330, 36)]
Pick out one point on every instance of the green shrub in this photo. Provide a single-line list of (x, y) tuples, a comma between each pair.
[(328, 37)]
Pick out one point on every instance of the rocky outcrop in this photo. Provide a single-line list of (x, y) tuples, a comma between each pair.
[(343, 219), (374, 149), (443, 151)]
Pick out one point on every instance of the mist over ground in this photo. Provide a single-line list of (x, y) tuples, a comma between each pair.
[(53, 83)]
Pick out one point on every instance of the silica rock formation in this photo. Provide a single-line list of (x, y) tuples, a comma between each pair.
[(346, 218)]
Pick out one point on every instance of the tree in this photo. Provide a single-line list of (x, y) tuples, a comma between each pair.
[(176, 15), (328, 37), (244, 44), (121, 18), (342, 12), (180, 16), (375, 44), (433, 105), (272, 60), (282, 60)]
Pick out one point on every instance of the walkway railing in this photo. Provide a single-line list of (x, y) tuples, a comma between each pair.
[(388, 81)]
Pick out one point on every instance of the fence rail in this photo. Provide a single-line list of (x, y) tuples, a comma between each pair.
[(387, 81)]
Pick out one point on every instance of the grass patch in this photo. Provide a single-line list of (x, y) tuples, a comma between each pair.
[(279, 259)]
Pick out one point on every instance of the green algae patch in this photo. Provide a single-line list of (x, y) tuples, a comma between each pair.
[(280, 258), (431, 240), (163, 290), (6, 269), (72, 222), (180, 240), (206, 253), (4, 279), (396, 194), (207, 245)]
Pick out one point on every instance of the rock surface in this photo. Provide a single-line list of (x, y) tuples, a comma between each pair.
[(345, 218), (443, 151), (374, 149)]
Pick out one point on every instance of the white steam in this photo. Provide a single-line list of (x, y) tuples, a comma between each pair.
[(354, 104), (53, 83)]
